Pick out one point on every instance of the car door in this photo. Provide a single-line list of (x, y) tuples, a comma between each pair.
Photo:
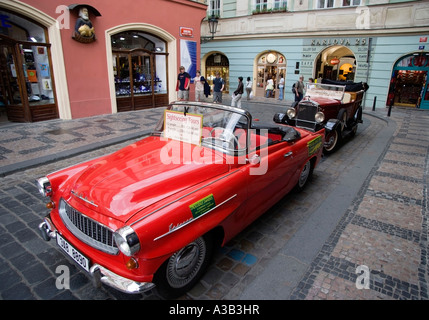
[(268, 180)]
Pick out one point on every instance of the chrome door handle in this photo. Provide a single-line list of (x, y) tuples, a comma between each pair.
[(288, 154)]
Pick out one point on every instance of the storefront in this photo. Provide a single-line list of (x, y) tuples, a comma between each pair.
[(74, 61), (378, 61), (409, 85), (27, 88)]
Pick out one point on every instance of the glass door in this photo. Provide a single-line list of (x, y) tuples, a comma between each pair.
[(424, 104)]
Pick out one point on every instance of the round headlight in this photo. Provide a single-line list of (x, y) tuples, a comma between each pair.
[(319, 117), (44, 186), (127, 241), (291, 113)]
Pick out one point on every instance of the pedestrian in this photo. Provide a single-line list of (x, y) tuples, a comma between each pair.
[(199, 86), (311, 84), (183, 83), (299, 89), (249, 88), (218, 86), (270, 87), (281, 87), (236, 97)]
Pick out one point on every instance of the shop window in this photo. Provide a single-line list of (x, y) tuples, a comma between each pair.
[(27, 89), (140, 71)]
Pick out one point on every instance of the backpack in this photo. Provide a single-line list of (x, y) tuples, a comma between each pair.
[(293, 87)]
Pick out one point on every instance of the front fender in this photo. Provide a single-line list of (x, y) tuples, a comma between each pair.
[(332, 125)]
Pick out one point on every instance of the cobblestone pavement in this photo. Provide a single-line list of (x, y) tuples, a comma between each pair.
[(23, 145), (384, 228)]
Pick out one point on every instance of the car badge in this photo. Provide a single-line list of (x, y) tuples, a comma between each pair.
[(81, 196)]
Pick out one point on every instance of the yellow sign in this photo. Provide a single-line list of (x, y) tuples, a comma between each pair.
[(314, 145)]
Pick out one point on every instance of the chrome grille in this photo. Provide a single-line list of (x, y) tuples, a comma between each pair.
[(305, 115), (87, 230)]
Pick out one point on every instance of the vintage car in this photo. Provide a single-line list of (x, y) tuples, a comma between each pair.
[(151, 213), (341, 105)]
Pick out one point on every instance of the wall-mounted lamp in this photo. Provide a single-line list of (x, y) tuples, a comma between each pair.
[(213, 21)]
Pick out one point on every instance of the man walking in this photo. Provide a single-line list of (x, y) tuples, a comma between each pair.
[(218, 86), (299, 89)]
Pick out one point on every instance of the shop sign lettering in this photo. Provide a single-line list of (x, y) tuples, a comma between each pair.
[(339, 41)]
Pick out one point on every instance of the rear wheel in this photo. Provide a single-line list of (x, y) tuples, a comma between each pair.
[(184, 268)]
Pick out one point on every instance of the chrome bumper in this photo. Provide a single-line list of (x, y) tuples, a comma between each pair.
[(98, 273)]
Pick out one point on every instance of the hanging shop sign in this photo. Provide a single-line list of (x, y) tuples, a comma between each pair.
[(335, 61)]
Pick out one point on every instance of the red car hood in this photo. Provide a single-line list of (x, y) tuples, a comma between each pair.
[(135, 177)]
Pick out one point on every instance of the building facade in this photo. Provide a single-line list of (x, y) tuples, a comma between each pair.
[(72, 61), (381, 42)]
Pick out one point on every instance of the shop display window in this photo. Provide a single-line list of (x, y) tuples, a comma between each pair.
[(140, 70), (27, 88)]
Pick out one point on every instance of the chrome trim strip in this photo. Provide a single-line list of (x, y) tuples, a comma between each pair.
[(84, 199), (104, 275), (193, 219), (178, 199)]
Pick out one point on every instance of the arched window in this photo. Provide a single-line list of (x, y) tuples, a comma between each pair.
[(140, 70)]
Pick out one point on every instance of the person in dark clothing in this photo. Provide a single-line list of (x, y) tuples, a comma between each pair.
[(183, 83), (236, 97)]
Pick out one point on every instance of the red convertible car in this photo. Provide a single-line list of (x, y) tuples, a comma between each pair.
[(151, 213)]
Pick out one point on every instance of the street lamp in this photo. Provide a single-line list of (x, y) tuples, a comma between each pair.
[(213, 21)]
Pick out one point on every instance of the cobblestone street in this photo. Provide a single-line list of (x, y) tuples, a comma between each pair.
[(384, 228)]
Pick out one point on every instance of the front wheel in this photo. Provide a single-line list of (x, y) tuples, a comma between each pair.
[(184, 268), (332, 140)]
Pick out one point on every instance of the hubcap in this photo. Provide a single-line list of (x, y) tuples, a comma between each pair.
[(185, 263), (331, 141)]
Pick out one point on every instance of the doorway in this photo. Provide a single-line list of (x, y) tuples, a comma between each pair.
[(270, 65), (217, 62), (336, 63), (409, 85), (27, 87)]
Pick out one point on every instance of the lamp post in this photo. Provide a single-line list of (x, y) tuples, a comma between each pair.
[(212, 21)]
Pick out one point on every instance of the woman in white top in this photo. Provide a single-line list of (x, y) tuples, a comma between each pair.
[(199, 87), (248, 87)]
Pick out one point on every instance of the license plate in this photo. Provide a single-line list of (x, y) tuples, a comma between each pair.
[(79, 258)]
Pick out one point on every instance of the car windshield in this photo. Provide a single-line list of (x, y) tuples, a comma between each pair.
[(214, 126), (324, 90)]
